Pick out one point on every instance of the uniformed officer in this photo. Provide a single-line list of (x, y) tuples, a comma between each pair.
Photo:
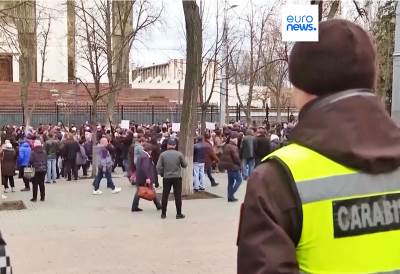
[(329, 202)]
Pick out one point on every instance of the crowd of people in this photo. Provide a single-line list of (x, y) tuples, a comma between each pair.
[(49, 152)]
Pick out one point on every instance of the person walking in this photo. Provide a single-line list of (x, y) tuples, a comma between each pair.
[(24, 155), (104, 168), (328, 201), (230, 161), (145, 174), (8, 159), (169, 166), (38, 161), (52, 146), (247, 153), (210, 159), (199, 159)]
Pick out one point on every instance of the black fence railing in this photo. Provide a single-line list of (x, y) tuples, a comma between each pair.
[(78, 114), (138, 113)]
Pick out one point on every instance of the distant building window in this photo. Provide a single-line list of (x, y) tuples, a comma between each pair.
[(6, 68)]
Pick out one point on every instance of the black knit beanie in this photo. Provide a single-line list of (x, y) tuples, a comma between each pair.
[(342, 59)]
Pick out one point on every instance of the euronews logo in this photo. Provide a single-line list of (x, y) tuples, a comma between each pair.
[(300, 23)]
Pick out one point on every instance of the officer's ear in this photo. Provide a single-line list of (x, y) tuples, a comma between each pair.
[(301, 97)]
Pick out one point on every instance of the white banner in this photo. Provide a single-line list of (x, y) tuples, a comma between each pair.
[(125, 124), (176, 127)]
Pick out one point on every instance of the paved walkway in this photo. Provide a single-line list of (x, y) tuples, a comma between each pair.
[(76, 232)]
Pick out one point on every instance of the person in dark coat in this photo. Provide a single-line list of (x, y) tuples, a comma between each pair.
[(262, 146), (247, 153), (211, 159), (38, 161), (71, 149), (145, 174), (88, 146), (8, 159), (155, 155), (230, 161)]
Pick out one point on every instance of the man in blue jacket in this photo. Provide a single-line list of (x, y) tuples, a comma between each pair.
[(23, 161)]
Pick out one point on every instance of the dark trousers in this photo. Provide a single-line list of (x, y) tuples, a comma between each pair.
[(100, 175), (85, 167), (234, 182), (209, 175), (57, 168), (70, 167), (38, 181), (6, 179), (176, 183), (136, 199), (25, 180)]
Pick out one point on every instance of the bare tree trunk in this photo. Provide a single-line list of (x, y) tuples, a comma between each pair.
[(203, 120), (278, 111), (191, 91), (71, 39), (25, 22)]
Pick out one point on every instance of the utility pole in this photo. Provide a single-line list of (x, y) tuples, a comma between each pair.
[(396, 71), (224, 85)]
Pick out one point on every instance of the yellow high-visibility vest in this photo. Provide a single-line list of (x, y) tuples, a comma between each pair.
[(351, 220)]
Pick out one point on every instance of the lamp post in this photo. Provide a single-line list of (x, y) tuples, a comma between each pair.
[(224, 104)]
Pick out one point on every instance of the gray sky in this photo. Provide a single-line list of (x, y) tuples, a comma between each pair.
[(167, 41)]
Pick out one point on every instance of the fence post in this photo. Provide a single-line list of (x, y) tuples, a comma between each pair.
[(122, 112), (23, 114), (240, 110), (267, 113), (211, 113), (288, 113), (90, 114), (57, 114), (152, 114)]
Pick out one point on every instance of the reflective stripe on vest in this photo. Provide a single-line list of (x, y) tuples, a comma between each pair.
[(351, 220)]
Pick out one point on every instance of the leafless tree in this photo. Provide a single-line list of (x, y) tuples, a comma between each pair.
[(93, 56), (247, 63), (274, 74), (18, 25), (124, 22), (213, 61), (192, 88)]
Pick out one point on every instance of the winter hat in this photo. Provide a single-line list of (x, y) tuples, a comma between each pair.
[(37, 143), (342, 59)]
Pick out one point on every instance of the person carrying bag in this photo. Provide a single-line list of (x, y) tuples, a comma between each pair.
[(145, 178)]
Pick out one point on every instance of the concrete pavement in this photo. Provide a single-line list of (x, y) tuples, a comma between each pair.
[(76, 232)]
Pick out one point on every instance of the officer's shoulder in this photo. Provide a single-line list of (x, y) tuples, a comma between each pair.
[(269, 173)]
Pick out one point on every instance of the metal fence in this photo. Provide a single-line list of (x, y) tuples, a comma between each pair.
[(79, 114), (140, 113)]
